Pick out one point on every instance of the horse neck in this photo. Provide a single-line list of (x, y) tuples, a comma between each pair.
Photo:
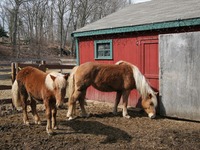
[(141, 84)]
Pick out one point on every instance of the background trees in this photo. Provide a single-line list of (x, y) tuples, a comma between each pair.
[(3, 33), (44, 23)]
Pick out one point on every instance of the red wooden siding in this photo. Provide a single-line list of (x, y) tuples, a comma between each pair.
[(140, 51), (86, 51)]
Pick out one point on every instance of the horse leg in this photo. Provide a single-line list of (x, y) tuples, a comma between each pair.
[(23, 98), (54, 112), (71, 108), (72, 104), (117, 100), (34, 111), (125, 103), (48, 116), (82, 103)]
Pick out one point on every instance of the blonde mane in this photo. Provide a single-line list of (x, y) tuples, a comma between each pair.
[(70, 88), (141, 84), (59, 81)]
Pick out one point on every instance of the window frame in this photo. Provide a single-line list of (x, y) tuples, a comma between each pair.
[(96, 42)]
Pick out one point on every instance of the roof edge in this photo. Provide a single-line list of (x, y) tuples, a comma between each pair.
[(144, 27)]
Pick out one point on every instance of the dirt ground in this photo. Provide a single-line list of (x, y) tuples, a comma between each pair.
[(102, 130)]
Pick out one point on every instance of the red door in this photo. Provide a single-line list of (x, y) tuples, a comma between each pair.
[(149, 61)]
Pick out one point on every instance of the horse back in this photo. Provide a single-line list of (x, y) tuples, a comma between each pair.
[(32, 80), (105, 77)]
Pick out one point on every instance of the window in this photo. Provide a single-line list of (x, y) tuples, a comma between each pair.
[(103, 49)]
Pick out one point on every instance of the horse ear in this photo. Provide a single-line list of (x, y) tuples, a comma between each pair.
[(66, 76), (52, 77), (149, 96)]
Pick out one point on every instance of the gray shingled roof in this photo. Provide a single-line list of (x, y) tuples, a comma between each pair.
[(154, 11)]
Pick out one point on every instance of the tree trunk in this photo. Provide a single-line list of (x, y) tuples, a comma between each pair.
[(15, 27)]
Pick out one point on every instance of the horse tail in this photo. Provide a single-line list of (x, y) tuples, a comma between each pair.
[(15, 95), (71, 83)]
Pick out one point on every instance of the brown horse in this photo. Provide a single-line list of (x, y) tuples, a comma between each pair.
[(49, 88), (121, 77)]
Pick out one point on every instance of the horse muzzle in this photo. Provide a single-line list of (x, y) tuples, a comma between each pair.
[(152, 115)]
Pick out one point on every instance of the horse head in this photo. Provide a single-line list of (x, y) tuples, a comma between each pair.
[(149, 104), (59, 86)]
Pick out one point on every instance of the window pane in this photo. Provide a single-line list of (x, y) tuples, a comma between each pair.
[(100, 53), (103, 49), (100, 47), (107, 46), (107, 53)]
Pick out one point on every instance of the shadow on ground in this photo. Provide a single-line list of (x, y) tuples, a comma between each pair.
[(93, 127)]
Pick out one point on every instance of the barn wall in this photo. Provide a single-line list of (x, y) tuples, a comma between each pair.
[(179, 75), (141, 51)]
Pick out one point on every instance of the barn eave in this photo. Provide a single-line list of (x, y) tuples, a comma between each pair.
[(137, 28)]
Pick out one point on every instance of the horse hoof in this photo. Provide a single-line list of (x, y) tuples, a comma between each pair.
[(70, 118), (50, 132), (127, 116), (27, 123), (38, 122), (55, 128)]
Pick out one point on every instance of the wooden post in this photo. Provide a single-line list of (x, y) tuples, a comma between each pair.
[(42, 65), (43, 62), (17, 68), (13, 72)]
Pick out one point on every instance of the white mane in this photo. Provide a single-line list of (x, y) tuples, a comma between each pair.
[(59, 81), (141, 84), (70, 88)]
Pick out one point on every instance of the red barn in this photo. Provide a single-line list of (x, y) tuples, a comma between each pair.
[(132, 34)]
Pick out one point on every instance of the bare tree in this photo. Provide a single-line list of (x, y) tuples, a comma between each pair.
[(35, 16), (48, 21), (14, 14), (87, 11), (68, 21), (51, 23), (106, 7), (28, 15), (61, 10), (2, 16), (64, 12)]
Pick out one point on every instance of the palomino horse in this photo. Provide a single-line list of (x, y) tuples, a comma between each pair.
[(121, 77), (49, 88)]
